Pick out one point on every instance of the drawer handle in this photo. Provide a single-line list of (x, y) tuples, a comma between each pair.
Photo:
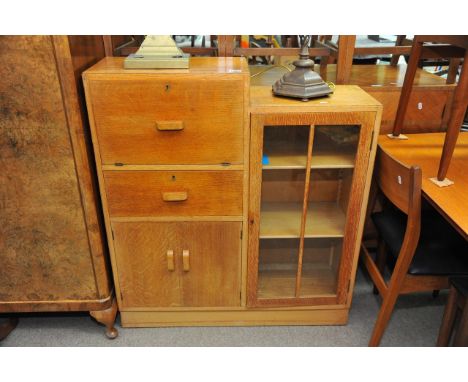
[(170, 260), (175, 196), (186, 260), (170, 125)]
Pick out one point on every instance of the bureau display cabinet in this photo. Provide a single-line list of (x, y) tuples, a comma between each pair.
[(179, 161)]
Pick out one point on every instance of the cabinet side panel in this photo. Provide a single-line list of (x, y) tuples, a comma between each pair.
[(354, 217), (44, 249), (73, 55)]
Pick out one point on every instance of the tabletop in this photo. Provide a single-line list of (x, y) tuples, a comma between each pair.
[(425, 151), (366, 76), (343, 98)]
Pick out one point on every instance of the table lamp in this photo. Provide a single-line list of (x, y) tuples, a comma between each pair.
[(302, 82)]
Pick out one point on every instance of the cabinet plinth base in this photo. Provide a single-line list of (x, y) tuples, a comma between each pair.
[(253, 317)]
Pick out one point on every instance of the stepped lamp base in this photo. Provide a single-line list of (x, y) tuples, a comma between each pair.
[(302, 82)]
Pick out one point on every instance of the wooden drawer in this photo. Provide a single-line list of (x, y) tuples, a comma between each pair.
[(169, 121), (174, 193), (154, 273)]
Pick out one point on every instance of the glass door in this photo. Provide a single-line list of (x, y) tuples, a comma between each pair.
[(307, 174), (284, 162)]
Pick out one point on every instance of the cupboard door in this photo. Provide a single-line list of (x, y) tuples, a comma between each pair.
[(211, 273), (146, 275), (190, 264)]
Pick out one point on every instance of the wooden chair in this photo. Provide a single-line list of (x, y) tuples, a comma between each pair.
[(114, 45), (341, 53), (421, 247), (402, 43), (345, 50), (457, 301), (457, 48), (243, 50)]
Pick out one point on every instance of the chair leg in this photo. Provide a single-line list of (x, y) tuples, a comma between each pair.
[(448, 318), (384, 316), (461, 337), (388, 303), (380, 260)]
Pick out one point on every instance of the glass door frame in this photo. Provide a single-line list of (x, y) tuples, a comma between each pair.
[(354, 214)]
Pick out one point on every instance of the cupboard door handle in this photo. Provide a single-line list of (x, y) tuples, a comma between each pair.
[(186, 260), (170, 125), (170, 260), (175, 196)]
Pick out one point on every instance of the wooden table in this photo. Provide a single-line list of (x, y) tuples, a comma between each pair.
[(425, 151)]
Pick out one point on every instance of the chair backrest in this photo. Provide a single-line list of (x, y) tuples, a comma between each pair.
[(399, 183), (402, 186)]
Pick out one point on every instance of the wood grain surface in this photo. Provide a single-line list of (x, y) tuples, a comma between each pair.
[(425, 150), (362, 75), (128, 116), (44, 249), (213, 278), (142, 193)]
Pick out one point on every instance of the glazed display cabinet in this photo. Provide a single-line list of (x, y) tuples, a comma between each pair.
[(309, 177)]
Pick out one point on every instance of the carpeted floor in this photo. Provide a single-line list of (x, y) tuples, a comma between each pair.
[(415, 322)]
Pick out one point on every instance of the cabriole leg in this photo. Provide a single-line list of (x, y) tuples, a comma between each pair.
[(107, 318)]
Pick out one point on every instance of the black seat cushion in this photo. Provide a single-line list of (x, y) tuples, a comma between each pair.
[(461, 284), (441, 250)]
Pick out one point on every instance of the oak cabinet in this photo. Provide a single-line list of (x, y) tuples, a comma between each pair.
[(225, 205)]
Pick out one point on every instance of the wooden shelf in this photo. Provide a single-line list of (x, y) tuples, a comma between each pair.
[(317, 281), (293, 155), (283, 220)]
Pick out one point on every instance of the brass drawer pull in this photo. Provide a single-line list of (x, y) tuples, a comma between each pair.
[(175, 196), (170, 260), (186, 260), (170, 125)]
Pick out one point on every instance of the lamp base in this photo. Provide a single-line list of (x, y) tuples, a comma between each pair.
[(153, 61), (305, 93), (302, 82), (157, 52)]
